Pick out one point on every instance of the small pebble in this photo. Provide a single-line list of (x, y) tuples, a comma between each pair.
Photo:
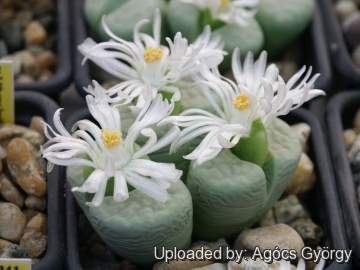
[(345, 8), (11, 192), (36, 203), (26, 167), (304, 177), (34, 243), (269, 237), (289, 209), (302, 131), (14, 251), (258, 264), (35, 124), (12, 222), (349, 137), (355, 148), (35, 33), (308, 230), (7, 14), (38, 223), (46, 59)]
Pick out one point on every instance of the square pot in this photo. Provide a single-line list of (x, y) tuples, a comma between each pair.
[(339, 52), (326, 213), (27, 105), (63, 75), (314, 51), (339, 114)]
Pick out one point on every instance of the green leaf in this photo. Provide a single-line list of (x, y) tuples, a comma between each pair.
[(230, 194), (283, 21), (133, 228)]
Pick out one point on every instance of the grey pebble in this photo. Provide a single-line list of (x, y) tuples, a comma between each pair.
[(14, 251)]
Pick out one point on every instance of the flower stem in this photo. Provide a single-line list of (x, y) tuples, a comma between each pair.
[(254, 148)]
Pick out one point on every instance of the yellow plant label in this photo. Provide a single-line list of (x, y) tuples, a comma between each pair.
[(6, 94), (15, 264)]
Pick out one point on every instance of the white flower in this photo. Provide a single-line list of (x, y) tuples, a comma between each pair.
[(224, 130), (104, 149), (274, 95), (257, 95), (232, 12), (146, 58)]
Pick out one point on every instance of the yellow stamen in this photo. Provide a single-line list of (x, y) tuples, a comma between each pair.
[(241, 102), (111, 138), (224, 3), (152, 54)]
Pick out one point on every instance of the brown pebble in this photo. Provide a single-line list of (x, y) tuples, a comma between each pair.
[(35, 33), (26, 167), (46, 59), (304, 177), (36, 125), (34, 243), (10, 192), (37, 224), (36, 203), (349, 137)]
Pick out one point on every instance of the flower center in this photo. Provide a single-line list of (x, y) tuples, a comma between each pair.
[(152, 54), (241, 102), (111, 138), (224, 3)]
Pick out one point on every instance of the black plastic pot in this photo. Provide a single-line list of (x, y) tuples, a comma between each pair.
[(326, 213), (339, 115), (27, 105), (314, 51), (340, 55), (63, 75)]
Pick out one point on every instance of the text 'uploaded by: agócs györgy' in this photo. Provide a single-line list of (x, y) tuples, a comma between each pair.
[(266, 255)]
